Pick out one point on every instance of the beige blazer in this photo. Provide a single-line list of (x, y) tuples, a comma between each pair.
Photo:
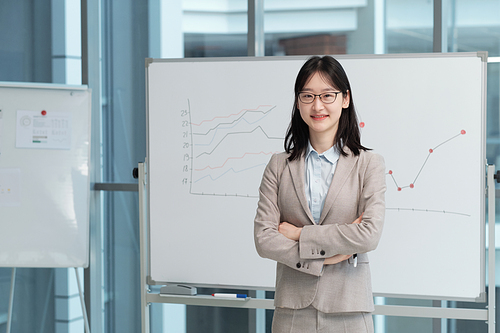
[(358, 186)]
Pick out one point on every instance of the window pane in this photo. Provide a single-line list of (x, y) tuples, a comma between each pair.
[(474, 26), (316, 27), (215, 28), (409, 26), (25, 41), (324, 27)]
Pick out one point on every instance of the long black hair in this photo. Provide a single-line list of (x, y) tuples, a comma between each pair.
[(297, 134)]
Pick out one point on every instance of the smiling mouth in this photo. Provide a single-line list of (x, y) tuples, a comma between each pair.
[(319, 117)]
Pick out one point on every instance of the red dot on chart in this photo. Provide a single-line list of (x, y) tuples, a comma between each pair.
[(462, 132), (44, 113), (361, 124), (399, 189), (390, 172), (412, 186), (431, 151)]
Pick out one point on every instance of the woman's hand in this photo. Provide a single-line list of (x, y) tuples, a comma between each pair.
[(292, 232), (336, 259), (359, 219), (289, 231), (342, 257)]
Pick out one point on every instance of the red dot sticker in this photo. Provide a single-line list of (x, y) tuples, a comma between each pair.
[(431, 151), (361, 124), (44, 113), (412, 186), (390, 172), (462, 132), (399, 189)]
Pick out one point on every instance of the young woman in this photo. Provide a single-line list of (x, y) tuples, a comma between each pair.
[(321, 209)]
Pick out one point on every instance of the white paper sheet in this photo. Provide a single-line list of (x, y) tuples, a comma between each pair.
[(43, 129)]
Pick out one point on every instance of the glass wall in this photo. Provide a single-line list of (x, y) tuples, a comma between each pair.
[(124, 49)]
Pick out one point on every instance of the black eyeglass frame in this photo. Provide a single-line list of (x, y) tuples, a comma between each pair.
[(320, 96)]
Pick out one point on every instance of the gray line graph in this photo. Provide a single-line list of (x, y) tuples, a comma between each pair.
[(229, 152)]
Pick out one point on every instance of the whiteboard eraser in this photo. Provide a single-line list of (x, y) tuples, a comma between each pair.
[(178, 289)]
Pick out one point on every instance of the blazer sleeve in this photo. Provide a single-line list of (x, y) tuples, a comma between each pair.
[(269, 242), (347, 238)]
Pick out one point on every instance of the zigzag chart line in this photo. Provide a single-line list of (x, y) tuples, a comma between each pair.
[(432, 150), (412, 184)]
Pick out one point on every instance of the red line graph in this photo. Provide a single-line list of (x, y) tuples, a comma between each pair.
[(431, 151), (233, 158), (231, 115)]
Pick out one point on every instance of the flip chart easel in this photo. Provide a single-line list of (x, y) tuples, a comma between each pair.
[(44, 183)]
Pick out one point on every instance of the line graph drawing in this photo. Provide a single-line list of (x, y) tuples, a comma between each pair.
[(431, 151), (228, 153), (242, 112), (231, 169), (236, 133), (426, 211), (230, 158)]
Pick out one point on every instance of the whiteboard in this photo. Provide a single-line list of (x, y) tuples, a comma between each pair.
[(214, 123), (44, 183)]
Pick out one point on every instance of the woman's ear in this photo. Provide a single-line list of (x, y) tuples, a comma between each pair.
[(346, 99)]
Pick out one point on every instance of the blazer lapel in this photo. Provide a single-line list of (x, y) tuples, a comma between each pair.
[(297, 172), (345, 166)]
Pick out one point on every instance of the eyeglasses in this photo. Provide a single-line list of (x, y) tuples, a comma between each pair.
[(327, 97)]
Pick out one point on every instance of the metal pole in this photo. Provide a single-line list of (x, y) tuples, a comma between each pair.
[(11, 299), (440, 32), (82, 301), (491, 249), (50, 292), (143, 247), (256, 41), (91, 76)]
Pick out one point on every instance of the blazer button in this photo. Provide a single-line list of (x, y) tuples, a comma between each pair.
[(322, 252), (299, 265)]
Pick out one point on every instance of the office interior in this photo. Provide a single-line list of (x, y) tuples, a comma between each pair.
[(104, 44)]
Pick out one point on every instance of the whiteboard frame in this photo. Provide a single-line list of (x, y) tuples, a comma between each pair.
[(65, 87), (482, 55)]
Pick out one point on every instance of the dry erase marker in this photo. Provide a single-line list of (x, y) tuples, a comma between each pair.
[(230, 295)]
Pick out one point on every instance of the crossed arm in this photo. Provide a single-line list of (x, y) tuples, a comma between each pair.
[(292, 232)]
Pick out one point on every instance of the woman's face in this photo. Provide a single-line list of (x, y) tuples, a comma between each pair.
[(322, 118)]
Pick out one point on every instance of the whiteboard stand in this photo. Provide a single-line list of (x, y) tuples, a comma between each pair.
[(491, 247), (82, 301), (11, 299), (143, 251), (487, 315)]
